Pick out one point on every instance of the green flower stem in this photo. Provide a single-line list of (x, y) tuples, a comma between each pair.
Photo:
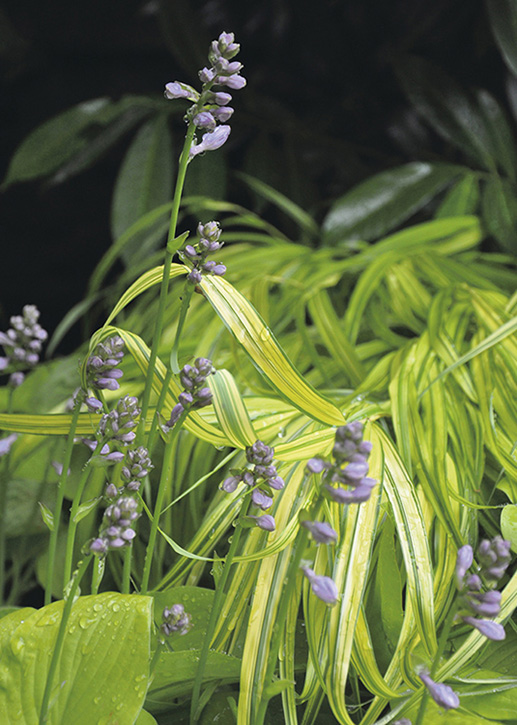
[(297, 552), (165, 477), (215, 611), (60, 495), (56, 654), (444, 636), (126, 574), (72, 525), (97, 574), (164, 288)]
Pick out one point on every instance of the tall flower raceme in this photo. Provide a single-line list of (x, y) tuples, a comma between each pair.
[(197, 253), (210, 109), (196, 394), (22, 344), (345, 480), (262, 479), (102, 371)]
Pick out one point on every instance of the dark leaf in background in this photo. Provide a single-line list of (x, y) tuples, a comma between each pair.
[(473, 122), (503, 19), (499, 208), (461, 199), (385, 200)]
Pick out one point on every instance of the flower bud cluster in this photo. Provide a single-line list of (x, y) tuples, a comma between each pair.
[(22, 344), (211, 108), (175, 620), (137, 465), (117, 526), (209, 234), (494, 557), (102, 369), (350, 468), (118, 424), (196, 394), (263, 478)]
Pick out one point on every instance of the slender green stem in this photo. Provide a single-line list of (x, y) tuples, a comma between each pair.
[(126, 574), (214, 614), (444, 636), (4, 483), (185, 304), (164, 288), (56, 654), (60, 495), (165, 477), (72, 524), (97, 574)]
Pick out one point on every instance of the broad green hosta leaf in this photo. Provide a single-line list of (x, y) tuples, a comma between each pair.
[(175, 673), (145, 177), (145, 718), (56, 141), (380, 203), (243, 321), (104, 667)]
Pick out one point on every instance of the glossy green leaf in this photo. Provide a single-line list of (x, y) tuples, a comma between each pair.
[(499, 207), (503, 19), (47, 516), (144, 181), (462, 198), (56, 141), (379, 204), (230, 410), (509, 525), (89, 687)]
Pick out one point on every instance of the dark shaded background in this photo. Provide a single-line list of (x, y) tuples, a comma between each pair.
[(322, 89)]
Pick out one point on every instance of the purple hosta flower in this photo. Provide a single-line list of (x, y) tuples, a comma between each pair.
[(261, 499), (175, 620), (266, 522), (322, 586), (101, 367), (196, 394), (494, 557), (489, 629), (180, 90), (22, 343), (107, 455), (93, 405), (116, 531), (16, 379), (210, 141), (443, 695), (118, 424), (6, 443), (209, 234), (136, 467), (321, 532), (260, 453), (229, 485), (350, 466), (211, 107)]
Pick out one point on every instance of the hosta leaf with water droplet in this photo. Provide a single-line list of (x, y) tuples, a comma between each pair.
[(103, 672)]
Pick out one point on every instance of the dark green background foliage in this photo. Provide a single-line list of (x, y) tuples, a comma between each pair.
[(337, 92)]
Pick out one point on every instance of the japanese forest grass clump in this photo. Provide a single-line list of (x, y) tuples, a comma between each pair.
[(281, 486)]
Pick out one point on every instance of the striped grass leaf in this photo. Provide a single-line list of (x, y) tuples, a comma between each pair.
[(252, 333), (266, 601), (329, 329), (286, 657), (230, 410)]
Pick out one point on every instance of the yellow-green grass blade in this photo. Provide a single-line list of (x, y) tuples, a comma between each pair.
[(350, 570), (411, 529), (243, 321), (329, 328), (364, 662), (142, 284), (286, 657), (266, 601), (230, 410)]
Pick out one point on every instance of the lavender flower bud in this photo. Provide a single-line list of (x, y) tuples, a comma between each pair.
[(180, 90), (176, 414), (266, 522), (210, 141), (205, 120), (261, 499), (463, 563), (316, 465), (219, 270), (191, 252), (229, 485), (93, 405), (347, 496), (16, 379), (235, 82), (276, 482), (494, 557), (206, 75), (6, 443), (321, 532), (221, 98), (195, 276), (175, 620), (486, 604), (222, 114), (443, 695), (491, 630), (322, 586)]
